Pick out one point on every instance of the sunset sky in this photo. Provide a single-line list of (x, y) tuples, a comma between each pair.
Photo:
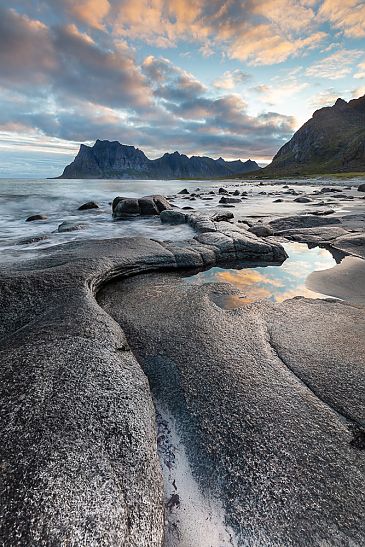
[(231, 79)]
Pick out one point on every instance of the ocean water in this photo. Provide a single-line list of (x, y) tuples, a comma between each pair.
[(60, 199)]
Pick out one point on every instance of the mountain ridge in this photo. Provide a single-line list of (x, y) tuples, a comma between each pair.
[(111, 159), (331, 141)]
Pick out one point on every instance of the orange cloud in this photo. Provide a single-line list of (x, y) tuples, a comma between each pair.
[(346, 15), (91, 12)]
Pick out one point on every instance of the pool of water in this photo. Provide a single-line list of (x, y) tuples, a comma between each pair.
[(275, 283)]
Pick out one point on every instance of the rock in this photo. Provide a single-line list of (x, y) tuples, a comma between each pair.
[(301, 221), (361, 188), (228, 206), (236, 193), (172, 217), (302, 199), (124, 208), (244, 193), (222, 217), (184, 191), (187, 208), (222, 191), (261, 231), (326, 190), (68, 226), (29, 240), (322, 212), (88, 205), (279, 200), (229, 200), (36, 217)]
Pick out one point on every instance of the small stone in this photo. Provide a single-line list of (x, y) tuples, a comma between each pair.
[(36, 217), (88, 205)]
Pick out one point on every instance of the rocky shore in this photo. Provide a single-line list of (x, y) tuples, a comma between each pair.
[(267, 401)]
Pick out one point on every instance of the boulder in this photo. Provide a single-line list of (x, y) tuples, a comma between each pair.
[(68, 226), (326, 189), (361, 187), (236, 193), (229, 200), (172, 217), (222, 217), (36, 217), (301, 221), (302, 199), (125, 208), (222, 191), (88, 205), (184, 191), (279, 200), (261, 231)]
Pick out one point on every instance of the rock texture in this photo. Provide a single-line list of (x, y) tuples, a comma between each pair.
[(332, 140), (77, 422), (126, 208), (267, 399), (108, 159)]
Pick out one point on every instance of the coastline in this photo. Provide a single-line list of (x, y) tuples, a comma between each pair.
[(104, 455)]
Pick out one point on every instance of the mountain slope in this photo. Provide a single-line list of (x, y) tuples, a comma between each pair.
[(333, 140), (114, 160)]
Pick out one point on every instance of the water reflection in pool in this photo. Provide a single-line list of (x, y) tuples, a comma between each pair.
[(275, 283)]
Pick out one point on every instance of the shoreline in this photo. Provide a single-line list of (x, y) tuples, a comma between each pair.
[(87, 431)]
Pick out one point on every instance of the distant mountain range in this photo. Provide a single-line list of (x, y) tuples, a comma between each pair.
[(112, 160), (332, 141)]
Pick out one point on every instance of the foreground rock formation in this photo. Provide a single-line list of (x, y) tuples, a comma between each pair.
[(108, 159), (267, 399)]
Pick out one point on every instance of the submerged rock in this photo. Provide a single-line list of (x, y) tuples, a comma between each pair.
[(88, 205), (68, 226), (36, 217), (229, 200)]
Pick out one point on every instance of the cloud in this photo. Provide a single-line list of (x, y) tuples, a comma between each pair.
[(231, 79), (326, 97), (277, 92), (335, 66), (91, 12), (345, 15), (361, 71)]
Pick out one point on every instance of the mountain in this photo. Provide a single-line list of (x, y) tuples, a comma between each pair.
[(112, 160), (333, 140)]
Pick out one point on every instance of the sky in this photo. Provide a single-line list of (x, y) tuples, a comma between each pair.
[(218, 78)]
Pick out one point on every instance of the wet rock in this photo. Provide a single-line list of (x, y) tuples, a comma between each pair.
[(222, 217), (223, 191), (36, 217), (124, 208), (88, 205), (172, 217), (261, 230), (327, 189), (302, 199), (68, 226), (236, 193), (184, 191), (322, 212), (34, 239), (229, 200), (361, 188), (279, 200), (187, 208), (301, 221)]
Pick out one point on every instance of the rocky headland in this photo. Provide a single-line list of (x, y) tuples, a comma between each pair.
[(332, 141), (110, 361)]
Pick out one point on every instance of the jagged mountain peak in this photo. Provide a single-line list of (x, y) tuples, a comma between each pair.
[(110, 159)]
